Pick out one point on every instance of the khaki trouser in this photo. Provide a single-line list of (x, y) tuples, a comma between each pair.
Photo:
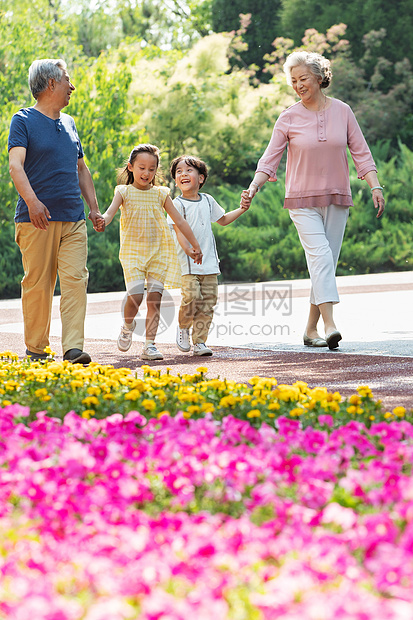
[(199, 297), (62, 248)]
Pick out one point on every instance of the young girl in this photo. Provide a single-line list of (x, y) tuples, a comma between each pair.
[(147, 250)]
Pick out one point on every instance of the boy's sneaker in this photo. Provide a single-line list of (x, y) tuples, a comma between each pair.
[(201, 349), (151, 353), (182, 339), (125, 337)]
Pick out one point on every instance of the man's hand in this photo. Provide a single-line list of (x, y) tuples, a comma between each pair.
[(39, 215)]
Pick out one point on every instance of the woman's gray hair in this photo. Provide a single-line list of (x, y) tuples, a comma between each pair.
[(41, 71), (317, 64)]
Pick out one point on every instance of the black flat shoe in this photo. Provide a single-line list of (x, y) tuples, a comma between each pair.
[(76, 356), (314, 342), (333, 339)]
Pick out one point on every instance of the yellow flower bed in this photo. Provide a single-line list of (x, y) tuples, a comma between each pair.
[(102, 390)]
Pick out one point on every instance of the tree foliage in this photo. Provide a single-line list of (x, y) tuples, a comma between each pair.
[(261, 28), (193, 102), (105, 24), (396, 18)]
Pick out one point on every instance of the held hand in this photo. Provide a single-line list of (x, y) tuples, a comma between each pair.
[(100, 224), (246, 199), (196, 255), (39, 215), (253, 189), (97, 220), (378, 201)]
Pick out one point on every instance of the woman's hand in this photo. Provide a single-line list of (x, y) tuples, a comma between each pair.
[(259, 180), (378, 200), (376, 191), (253, 189)]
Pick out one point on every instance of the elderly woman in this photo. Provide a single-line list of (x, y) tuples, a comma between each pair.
[(317, 130)]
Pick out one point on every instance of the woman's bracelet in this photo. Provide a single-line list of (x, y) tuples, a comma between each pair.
[(377, 187), (256, 185)]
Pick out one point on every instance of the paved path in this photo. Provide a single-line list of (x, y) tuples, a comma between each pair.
[(257, 330)]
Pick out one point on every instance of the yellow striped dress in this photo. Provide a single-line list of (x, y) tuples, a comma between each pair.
[(146, 244)]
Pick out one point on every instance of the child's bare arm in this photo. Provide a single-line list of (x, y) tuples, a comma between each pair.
[(182, 225), (187, 247), (112, 209), (183, 241), (231, 216)]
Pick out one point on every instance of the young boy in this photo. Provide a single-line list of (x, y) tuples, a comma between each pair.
[(199, 286)]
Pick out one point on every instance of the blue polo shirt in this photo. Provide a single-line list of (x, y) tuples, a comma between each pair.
[(52, 152)]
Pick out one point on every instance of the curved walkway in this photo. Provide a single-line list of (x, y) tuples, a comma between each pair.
[(257, 330)]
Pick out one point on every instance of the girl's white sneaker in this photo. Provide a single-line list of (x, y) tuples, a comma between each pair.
[(125, 337), (151, 353)]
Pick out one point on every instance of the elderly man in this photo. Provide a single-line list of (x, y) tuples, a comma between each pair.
[(50, 176)]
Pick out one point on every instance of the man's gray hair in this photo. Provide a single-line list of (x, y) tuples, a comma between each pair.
[(41, 71)]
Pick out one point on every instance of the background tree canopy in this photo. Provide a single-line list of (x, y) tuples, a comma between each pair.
[(206, 77)]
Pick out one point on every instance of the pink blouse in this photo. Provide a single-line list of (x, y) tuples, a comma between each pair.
[(317, 172)]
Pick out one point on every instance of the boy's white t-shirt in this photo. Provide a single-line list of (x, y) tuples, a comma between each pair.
[(199, 214)]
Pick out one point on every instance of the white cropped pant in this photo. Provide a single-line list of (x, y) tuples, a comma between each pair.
[(321, 232)]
